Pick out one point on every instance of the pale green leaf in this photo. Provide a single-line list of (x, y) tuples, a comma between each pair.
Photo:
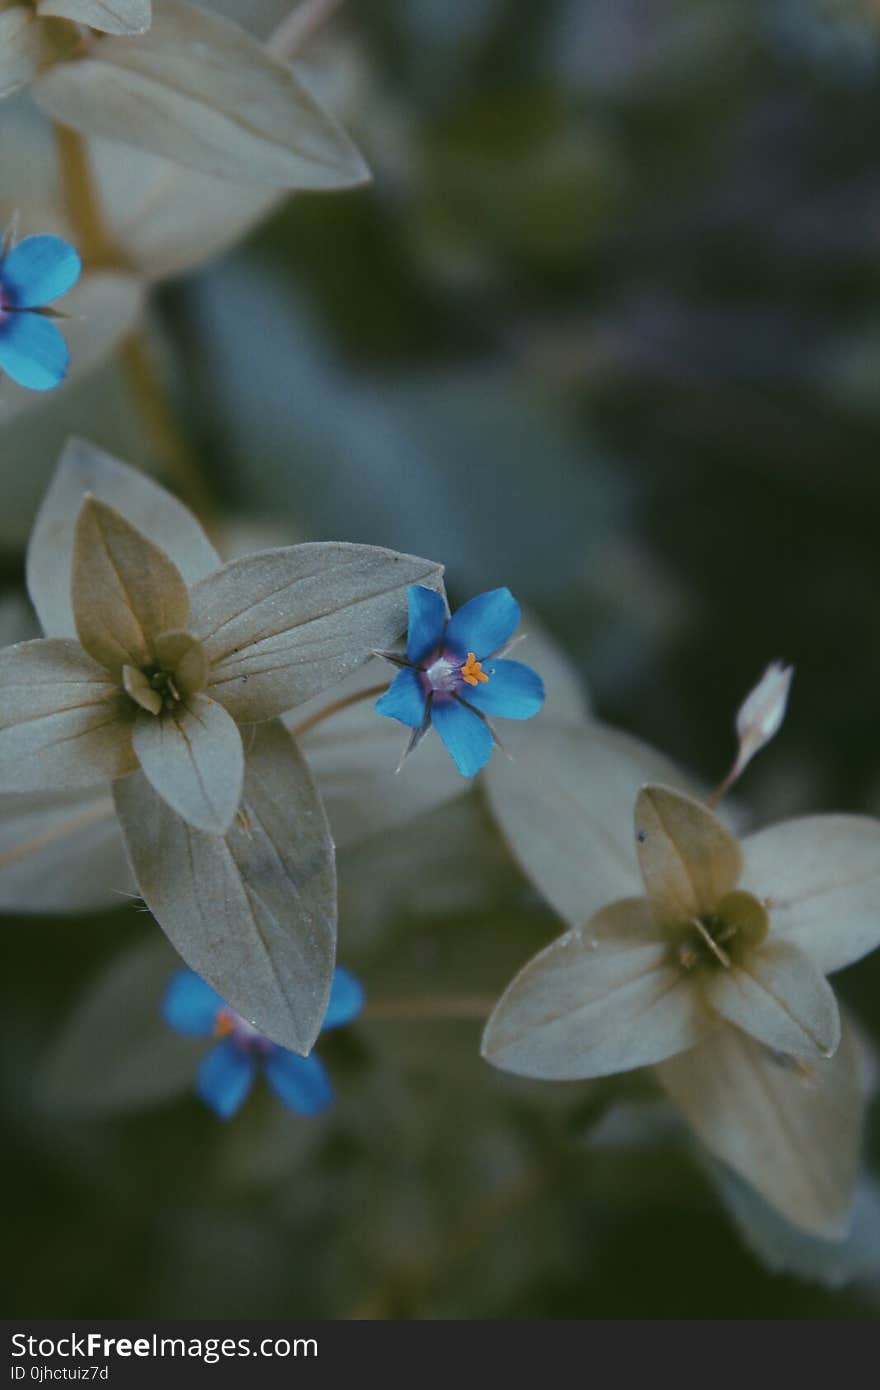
[(28, 45), (125, 591), (793, 1132), (198, 90), (282, 625), (82, 469), (62, 722), (595, 1002), (108, 16), (254, 911), (688, 859), (115, 1052), (819, 877), (193, 757), (565, 805), (778, 996), (61, 852)]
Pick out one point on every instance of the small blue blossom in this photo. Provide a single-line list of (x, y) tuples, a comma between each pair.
[(445, 682), (33, 351), (227, 1072)]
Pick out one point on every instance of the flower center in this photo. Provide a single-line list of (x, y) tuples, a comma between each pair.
[(446, 673), (721, 939), (180, 669), (472, 671), (229, 1024)]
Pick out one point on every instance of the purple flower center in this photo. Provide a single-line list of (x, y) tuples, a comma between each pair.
[(445, 673), (229, 1024)]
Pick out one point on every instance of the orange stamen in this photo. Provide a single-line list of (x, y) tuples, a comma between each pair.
[(472, 671), (223, 1023)]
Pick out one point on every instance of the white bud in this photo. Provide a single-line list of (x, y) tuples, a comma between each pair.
[(761, 713)]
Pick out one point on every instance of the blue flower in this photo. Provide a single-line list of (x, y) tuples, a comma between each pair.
[(227, 1072), (32, 349), (445, 683)]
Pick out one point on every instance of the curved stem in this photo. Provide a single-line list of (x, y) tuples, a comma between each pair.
[(300, 24), (102, 810), (82, 200), (371, 692)]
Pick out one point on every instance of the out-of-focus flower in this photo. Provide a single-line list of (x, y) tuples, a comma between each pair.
[(714, 974), (228, 1071), (32, 274), (445, 681), (231, 851)]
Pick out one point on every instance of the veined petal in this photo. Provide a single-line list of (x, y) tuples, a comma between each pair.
[(513, 691), (484, 624), (253, 911), (301, 1082), (819, 877), (793, 1132), (346, 999), (190, 1004), (127, 17), (565, 807), (427, 621), (780, 998), (38, 270), (603, 1000), (194, 758), (125, 590), (224, 1078), (405, 699), (687, 857), (468, 739), (160, 517), (62, 722), (284, 624), (33, 351)]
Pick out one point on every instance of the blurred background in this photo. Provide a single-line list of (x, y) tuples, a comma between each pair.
[(604, 328)]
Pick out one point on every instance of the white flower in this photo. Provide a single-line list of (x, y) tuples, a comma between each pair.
[(711, 969)]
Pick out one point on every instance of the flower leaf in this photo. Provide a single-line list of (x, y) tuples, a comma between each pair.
[(565, 807), (792, 1132), (688, 859), (108, 16), (163, 520), (28, 45), (253, 911), (595, 1002), (193, 757), (820, 878), (61, 852), (115, 1053), (62, 722), (779, 997), (125, 591), (200, 91), (282, 625)]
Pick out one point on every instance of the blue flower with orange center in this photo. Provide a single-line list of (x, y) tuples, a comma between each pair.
[(227, 1073), (33, 350), (455, 674)]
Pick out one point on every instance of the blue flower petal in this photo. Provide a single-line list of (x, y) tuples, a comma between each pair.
[(38, 270), (190, 1005), (484, 624), (346, 999), (405, 699), (514, 691), (468, 740), (301, 1082), (427, 619), (225, 1077), (33, 351)]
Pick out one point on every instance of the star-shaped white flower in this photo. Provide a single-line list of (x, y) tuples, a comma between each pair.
[(713, 971)]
